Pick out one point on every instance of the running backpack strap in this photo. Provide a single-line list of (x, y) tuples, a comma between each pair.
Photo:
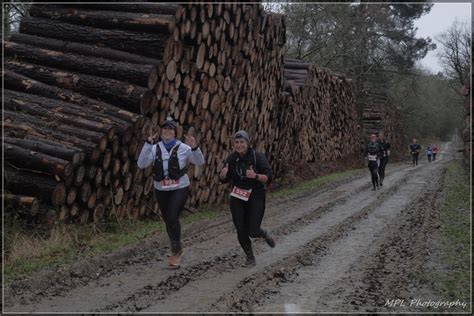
[(255, 161), (174, 170), (159, 173)]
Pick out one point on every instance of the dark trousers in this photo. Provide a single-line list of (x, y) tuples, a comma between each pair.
[(429, 158), (171, 204), (383, 164), (434, 156), (374, 172), (247, 217), (415, 159)]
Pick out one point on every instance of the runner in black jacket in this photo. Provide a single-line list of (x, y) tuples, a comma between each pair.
[(374, 152), (248, 171), (384, 160), (415, 151)]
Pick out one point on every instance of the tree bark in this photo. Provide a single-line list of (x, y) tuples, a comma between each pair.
[(133, 73), (59, 151), (147, 44), (40, 186), (19, 82), (148, 22), (82, 49), (36, 161), (21, 202), (122, 94)]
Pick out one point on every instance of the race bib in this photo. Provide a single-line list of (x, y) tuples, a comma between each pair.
[(169, 183), (372, 157), (240, 193)]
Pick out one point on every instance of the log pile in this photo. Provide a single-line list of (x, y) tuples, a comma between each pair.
[(317, 115), (221, 71), (85, 82), (76, 92), (379, 115)]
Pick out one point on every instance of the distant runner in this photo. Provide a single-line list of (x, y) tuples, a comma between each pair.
[(384, 160), (170, 157), (248, 171), (374, 152), (415, 151), (429, 152)]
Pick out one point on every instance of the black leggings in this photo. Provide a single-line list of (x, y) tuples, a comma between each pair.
[(415, 159), (247, 217), (373, 167), (383, 164), (434, 156), (171, 204)]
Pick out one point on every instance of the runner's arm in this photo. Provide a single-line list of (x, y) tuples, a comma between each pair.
[(147, 155), (196, 157), (265, 173)]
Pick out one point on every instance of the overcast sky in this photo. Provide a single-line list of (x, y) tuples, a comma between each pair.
[(441, 16)]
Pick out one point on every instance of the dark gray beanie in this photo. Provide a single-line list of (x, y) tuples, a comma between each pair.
[(242, 134)]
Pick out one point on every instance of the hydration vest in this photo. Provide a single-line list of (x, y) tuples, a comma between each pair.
[(373, 148), (174, 171)]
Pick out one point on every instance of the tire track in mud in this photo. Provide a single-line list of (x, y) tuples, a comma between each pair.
[(255, 288), (262, 291), (142, 299), (303, 212)]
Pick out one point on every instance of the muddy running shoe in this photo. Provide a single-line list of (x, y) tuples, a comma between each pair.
[(270, 240), (250, 261), (175, 260)]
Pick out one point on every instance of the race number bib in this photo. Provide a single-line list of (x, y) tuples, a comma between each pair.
[(169, 183), (372, 157), (240, 193)]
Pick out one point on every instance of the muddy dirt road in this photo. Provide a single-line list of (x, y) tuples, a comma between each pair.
[(341, 248)]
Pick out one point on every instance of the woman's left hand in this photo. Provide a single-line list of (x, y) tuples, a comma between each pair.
[(190, 141), (250, 173)]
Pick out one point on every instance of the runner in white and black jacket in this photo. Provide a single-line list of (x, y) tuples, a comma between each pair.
[(171, 180), (248, 171)]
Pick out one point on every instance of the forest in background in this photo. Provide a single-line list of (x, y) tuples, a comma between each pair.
[(376, 45)]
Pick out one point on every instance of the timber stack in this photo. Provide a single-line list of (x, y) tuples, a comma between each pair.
[(86, 83), (318, 118), (379, 115), (76, 96)]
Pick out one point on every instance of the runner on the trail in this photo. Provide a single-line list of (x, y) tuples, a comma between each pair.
[(429, 152), (374, 152), (435, 151), (415, 151), (248, 171), (384, 160), (170, 157)]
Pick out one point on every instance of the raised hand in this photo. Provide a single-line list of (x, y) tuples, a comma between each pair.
[(250, 173), (190, 140), (152, 136)]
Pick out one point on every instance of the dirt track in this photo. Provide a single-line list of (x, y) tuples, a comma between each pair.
[(341, 248)]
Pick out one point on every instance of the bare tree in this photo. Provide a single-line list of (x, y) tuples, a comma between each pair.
[(455, 54), (13, 12)]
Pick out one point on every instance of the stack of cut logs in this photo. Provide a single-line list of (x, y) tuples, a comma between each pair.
[(318, 118), (379, 115), (221, 71), (84, 83), (75, 90)]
